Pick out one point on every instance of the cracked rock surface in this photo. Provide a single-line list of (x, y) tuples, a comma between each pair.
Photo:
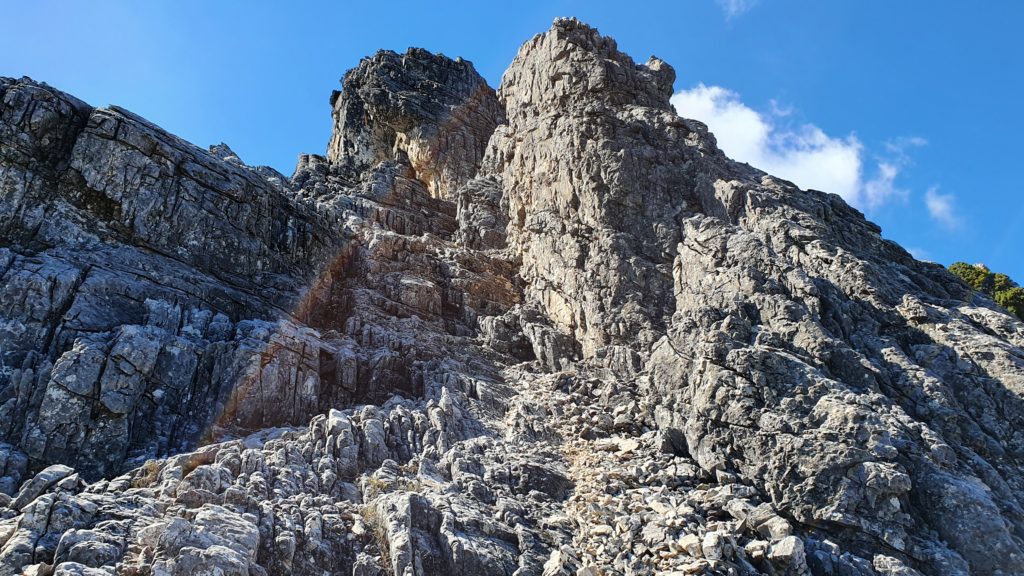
[(540, 330)]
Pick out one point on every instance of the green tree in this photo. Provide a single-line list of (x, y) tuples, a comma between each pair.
[(998, 287), (1012, 300), (1002, 283), (974, 275)]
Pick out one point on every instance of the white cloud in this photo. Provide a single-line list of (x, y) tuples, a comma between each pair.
[(734, 8), (780, 110), (898, 147), (941, 208), (882, 188), (919, 253), (805, 155)]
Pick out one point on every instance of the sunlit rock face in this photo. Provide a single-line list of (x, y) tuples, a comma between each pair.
[(596, 229), (548, 329)]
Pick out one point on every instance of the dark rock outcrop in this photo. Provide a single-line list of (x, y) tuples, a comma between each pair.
[(434, 113)]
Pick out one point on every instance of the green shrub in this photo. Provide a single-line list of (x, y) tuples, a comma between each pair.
[(998, 287), (1013, 300), (974, 275)]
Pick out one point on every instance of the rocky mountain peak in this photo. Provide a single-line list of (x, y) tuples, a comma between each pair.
[(575, 217), (574, 62), (433, 112), (546, 330)]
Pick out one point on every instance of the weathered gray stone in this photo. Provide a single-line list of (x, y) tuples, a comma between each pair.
[(546, 330), (40, 484)]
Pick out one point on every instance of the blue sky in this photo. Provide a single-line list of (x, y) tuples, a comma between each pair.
[(911, 110)]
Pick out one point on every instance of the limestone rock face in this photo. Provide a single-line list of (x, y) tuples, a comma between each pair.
[(596, 229), (549, 329)]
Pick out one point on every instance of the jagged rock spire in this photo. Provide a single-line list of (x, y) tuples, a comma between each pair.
[(596, 227), (573, 63), (433, 112)]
